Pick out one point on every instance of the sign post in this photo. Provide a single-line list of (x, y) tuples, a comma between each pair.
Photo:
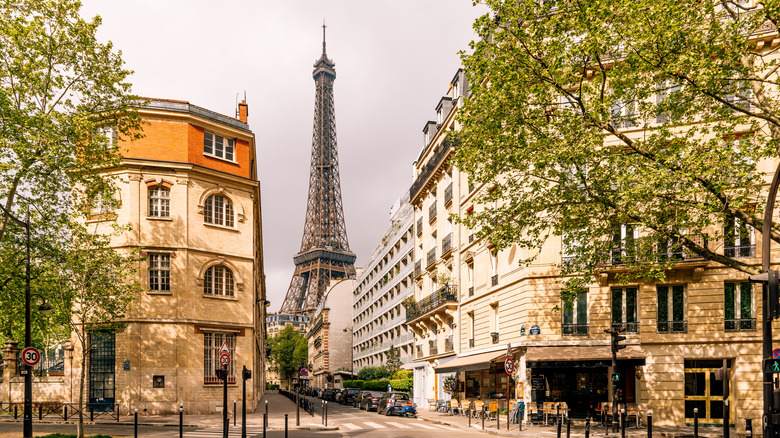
[(509, 367), (224, 360)]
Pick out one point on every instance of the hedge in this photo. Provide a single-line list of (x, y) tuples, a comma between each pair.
[(404, 385)]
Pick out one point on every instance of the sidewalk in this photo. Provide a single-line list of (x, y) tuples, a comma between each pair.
[(277, 406), (577, 428)]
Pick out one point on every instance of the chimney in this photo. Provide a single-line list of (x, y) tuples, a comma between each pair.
[(243, 111)]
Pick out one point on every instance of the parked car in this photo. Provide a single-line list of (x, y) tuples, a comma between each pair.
[(334, 395), (369, 400), (326, 393), (396, 403), (347, 396)]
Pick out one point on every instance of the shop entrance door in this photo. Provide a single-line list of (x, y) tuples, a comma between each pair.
[(704, 393)]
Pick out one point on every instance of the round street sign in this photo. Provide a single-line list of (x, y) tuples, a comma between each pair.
[(509, 365), (224, 359), (304, 372), (776, 353), (31, 356)]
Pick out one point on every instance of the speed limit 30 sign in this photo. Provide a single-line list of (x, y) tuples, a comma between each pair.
[(224, 360), (31, 356)]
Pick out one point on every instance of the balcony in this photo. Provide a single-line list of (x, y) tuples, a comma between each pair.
[(446, 245), (626, 327), (418, 352), (433, 349), (494, 280), (418, 269), (445, 295), (432, 212), (737, 325), (575, 329), (739, 251), (419, 225), (431, 258), (430, 168), (448, 344), (664, 252), (448, 195), (673, 326)]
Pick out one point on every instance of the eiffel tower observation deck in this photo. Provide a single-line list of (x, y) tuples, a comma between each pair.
[(324, 253)]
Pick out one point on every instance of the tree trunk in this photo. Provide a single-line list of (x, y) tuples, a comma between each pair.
[(82, 378)]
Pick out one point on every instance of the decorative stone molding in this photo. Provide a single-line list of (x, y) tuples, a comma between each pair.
[(220, 260), (602, 279), (697, 273)]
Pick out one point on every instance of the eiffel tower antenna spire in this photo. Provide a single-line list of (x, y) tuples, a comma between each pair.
[(324, 253)]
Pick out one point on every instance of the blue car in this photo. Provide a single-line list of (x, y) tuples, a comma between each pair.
[(396, 403)]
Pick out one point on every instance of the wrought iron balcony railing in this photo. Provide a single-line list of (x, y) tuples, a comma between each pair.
[(432, 212), (448, 194), (621, 255), (744, 324), (575, 329), (433, 348), (419, 225), (446, 245), (494, 280), (673, 326), (446, 294), (431, 257), (626, 327), (430, 167), (471, 291), (739, 251), (448, 344), (418, 268)]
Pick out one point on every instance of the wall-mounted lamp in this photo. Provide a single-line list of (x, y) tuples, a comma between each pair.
[(639, 373)]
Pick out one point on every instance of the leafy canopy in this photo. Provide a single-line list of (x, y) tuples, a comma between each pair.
[(586, 117), (289, 351)]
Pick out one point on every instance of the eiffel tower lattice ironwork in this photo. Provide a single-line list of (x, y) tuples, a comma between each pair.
[(324, 254)]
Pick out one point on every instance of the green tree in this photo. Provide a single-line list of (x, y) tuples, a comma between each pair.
[(393, 362), (367, 373), (589, 120), (97, 285), (289, 351), (58, 85)]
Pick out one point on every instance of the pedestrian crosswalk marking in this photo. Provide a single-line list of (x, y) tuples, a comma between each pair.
[(445, 427), (399, 425), (375, 425), (425, 426), (352, 426)]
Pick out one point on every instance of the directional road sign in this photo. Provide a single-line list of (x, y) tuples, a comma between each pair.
[(31, 356)]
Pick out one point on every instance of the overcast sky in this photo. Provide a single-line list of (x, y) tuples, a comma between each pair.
[(394, 61)]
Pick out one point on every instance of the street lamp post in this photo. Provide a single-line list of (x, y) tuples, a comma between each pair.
[(351, 353)]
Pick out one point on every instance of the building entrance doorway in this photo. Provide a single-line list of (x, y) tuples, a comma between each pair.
[(102, 358), (704, 393)]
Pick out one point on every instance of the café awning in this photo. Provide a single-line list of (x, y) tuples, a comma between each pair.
[(470, 363), (574, 356)]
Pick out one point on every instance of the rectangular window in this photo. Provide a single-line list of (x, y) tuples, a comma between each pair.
[(623, 247), (575, 315), (110, 135), (671, 309), (218, 146), (159, 202), (160, 272), (625, 311), (738, 239), (738, 306), (212, 342)]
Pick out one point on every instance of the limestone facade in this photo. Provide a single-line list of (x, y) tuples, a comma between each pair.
[(274, 323), (329, 336)]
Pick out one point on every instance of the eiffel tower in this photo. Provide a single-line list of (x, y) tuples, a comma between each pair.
[(324, 253)]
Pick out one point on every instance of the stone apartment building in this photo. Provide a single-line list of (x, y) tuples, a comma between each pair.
[(274, 323), (190, 194), (473, 303), (378, 318), (330, 336)]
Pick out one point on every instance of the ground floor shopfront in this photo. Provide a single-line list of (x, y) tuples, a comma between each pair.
[(671, 380)]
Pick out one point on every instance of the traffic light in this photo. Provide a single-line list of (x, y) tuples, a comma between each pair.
[(247, 374), (221, 373), (616, 338), (770, 280)]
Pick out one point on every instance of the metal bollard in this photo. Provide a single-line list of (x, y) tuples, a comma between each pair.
[(285, 425), (748, 428), (695, 422), (559, 427), (568, 428), (326, 413), (265, 423), (234, 413), (483, 419), (181, 421), (623, 423), (469, 417), (498, 419), (40, 412), (649, 423), (65, 412), (587, 427), (135, 424), (16, 414), (322, 412)]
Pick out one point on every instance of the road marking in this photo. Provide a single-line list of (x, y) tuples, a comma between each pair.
[(446, 427), (374, 425), (425, 426), (351, 426), (399, 425)]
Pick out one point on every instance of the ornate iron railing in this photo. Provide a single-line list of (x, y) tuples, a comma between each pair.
[(446, 294), (430, 167), (735, 325), (419, 225), (446, 245), (673, 326), (432, 212), (448, 194), (431, 258), (626, 327), (739, 251), (418, 268), (575, 329)]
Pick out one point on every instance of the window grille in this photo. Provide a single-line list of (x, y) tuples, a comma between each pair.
[(211, 345)]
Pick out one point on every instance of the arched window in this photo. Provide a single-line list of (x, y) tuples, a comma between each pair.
[(219, 211), (159, 201), (218, 281)]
